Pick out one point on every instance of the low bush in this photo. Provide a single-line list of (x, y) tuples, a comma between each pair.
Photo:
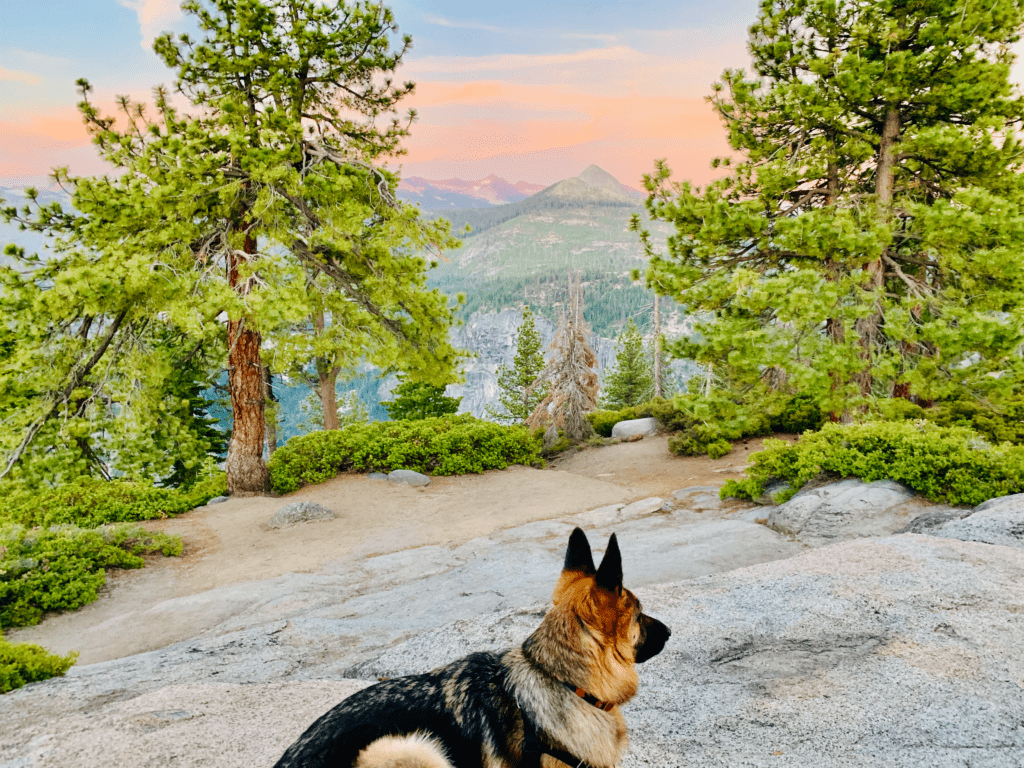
[(707, 424), (89, 502), (795, 415), (63, 567), (1004, 424), (951, 464), (24, 663), (449, 445)]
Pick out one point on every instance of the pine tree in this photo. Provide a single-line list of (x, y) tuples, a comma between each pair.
[(631, 381), (265, 204), (571, 373), (866, 240), (517, 399), (188, 384), (419, 400)]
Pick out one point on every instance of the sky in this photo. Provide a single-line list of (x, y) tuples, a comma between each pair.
[(531, 90)]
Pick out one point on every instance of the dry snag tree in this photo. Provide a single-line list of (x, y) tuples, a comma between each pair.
[(572, 374)]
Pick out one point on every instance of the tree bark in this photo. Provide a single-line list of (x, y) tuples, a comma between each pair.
[(328, 377), (327, 381), (869, 326), (270, 410), (833, 325), (247, 473), (658, 390)]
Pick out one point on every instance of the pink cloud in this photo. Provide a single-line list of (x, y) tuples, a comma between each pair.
[(540, 124), (14, 76), (155, 17)]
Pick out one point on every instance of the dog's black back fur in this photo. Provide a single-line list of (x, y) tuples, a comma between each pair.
[(463, 705)]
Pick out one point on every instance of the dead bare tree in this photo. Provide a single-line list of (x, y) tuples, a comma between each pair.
[(572, 372)]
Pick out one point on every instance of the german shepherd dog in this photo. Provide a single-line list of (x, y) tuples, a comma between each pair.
[(555, 700)]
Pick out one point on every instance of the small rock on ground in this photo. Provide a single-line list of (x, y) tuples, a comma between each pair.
[(408, 477), (300, 512)]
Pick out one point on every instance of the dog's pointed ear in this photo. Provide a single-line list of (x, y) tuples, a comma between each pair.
[(609, 574), (577, 554)]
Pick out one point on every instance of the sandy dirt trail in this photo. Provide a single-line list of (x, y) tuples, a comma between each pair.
[(230, 542)]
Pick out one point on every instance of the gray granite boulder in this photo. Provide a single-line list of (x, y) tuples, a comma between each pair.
[(848, 509), (300, 512), (217, 500), (632, 427), (698, 498), (934, 518), (377, 476), (408, 477), (996, 521)]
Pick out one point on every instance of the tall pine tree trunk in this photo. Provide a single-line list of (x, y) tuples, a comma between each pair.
[(327, 381), (868, 327), (658, 389), (270, 410), (833, 325), (247, 473)]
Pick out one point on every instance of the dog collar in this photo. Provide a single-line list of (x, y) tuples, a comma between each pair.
[(590, 699)]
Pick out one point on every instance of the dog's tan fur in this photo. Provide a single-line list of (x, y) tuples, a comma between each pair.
[(416, 750)]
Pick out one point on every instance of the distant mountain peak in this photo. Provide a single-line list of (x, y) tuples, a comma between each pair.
[(599, 177)]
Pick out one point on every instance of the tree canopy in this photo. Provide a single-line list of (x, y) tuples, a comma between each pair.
[(866, 238), (415, 400), (631, 381), (229, 221), (518, 398)]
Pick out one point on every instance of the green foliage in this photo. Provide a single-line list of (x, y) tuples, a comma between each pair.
[(631, 381), (1000, 424), (706, 423), (186, 386), (24, 663), (449, 445), (796, 415), (517, 403), (419, 400), (88, 502), (808, 258), (603, 421), (61, 568), (951, 464)]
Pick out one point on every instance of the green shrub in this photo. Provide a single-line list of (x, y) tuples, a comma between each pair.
[(1003, 426), (89, 502), (450, 445), (63, 567), (24, 663), (603, 421), (951, 464), (1000, 424), (706, 424), (795, 415)]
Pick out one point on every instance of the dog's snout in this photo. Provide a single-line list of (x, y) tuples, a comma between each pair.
[(653, 639)]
